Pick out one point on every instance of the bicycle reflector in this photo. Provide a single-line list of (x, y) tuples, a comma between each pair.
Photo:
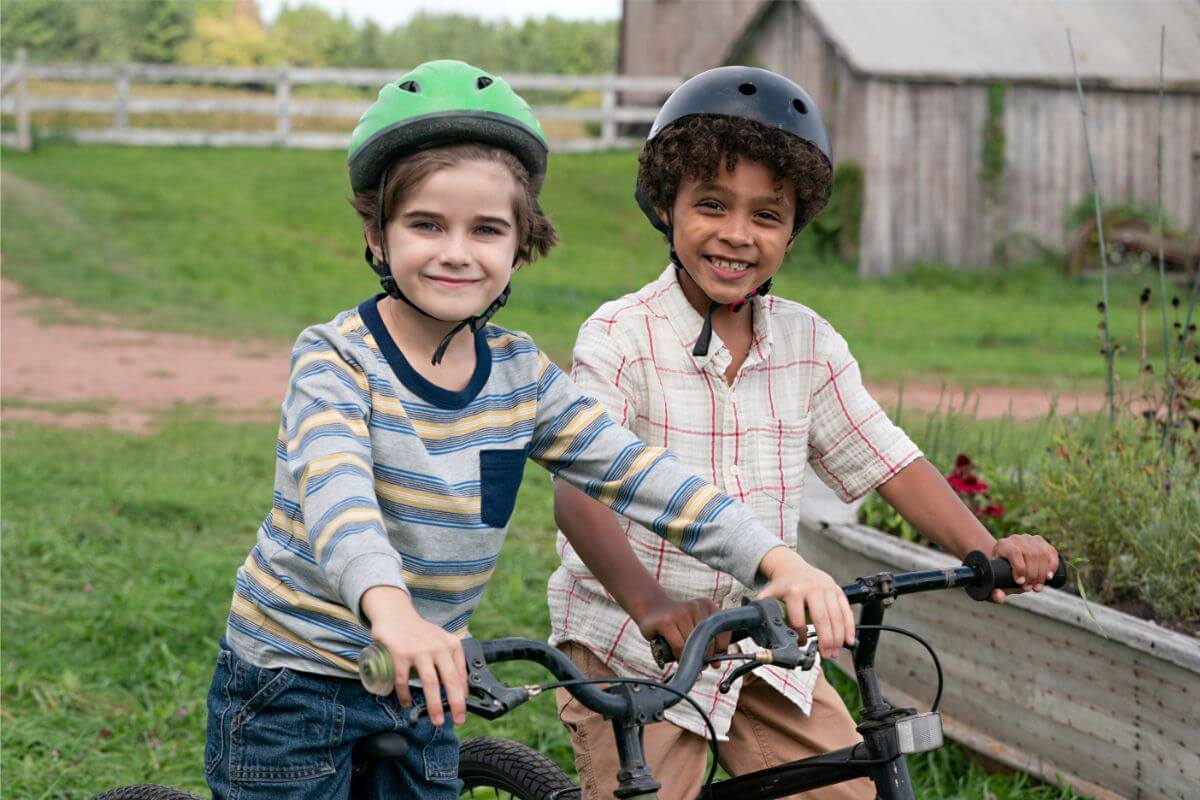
[(919, 733)]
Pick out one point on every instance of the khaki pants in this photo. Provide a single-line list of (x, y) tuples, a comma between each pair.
[(767, 730)]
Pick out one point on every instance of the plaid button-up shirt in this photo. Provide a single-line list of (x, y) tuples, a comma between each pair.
[(797, 401)]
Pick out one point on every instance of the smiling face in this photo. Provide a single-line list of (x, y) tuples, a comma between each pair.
[(732, 231), (452, 240)]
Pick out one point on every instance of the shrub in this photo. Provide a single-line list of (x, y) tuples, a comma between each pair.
[(1103, 496)]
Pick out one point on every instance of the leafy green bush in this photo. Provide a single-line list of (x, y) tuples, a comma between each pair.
[(837, 227)]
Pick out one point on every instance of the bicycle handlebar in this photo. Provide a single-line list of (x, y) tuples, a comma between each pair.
[(762, 620), (979, 575)]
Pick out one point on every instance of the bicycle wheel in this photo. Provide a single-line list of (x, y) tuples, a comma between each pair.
[(146, 792), (508, 770)]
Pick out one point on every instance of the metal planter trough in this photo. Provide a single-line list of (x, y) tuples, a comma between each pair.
[(1033, 683)]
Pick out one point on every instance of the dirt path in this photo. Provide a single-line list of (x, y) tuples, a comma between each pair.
[(61, 365), (65, 366)]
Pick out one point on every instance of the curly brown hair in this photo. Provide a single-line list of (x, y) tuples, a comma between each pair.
[(692, 148), (535, 233)]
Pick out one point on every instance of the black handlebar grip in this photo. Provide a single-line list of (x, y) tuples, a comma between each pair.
[(997, 574), (663, 654)]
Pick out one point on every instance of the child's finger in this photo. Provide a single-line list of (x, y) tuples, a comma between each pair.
[(796, 613), (432, 689), (837, 623), (455, 684), (848, 616), (460, 660), (1017, 561), (819, 614), (403, 695)]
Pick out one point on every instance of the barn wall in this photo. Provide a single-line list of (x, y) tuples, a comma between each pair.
[(1047, 170), (680, 37), (920, 145)]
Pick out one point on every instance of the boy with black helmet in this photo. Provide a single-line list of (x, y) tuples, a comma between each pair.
[(749, 390), (401, 448)]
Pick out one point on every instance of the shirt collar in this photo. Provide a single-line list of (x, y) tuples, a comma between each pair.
[(673, 304)]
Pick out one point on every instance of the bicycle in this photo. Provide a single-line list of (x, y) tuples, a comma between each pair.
[(890, 734)]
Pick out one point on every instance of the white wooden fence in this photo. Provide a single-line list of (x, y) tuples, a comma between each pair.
[(284, 106)]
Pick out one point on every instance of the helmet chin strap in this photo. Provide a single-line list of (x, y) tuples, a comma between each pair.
[(474, 323), (705, 338), (384, 271)]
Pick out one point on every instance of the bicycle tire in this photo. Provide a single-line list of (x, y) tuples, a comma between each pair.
[(487, 762), (145, 791)]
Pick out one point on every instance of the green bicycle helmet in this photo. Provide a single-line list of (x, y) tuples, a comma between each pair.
[(437, 104), (441, 103)]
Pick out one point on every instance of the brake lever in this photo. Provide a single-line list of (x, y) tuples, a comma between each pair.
[(807, 659), (495, 699), (772, 635), (488, 697)]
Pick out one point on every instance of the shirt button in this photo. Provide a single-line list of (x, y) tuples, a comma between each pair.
[(734, 471)]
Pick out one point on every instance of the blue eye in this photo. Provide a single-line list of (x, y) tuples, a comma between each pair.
[(488, 230)]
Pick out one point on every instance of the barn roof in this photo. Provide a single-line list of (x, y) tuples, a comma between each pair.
[(1116, 41)]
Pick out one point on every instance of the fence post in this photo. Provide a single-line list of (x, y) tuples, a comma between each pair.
[(608, 126), (24, 117), (121, 99), (283, 98)]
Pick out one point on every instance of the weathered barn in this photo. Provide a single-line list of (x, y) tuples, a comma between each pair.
[(924, 96)]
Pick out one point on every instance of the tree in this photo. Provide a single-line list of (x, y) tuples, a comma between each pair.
[(309, 36), (369, 52), (47, 28), (226, 41)]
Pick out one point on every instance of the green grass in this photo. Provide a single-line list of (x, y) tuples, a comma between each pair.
[(119, 555), (263, 242)]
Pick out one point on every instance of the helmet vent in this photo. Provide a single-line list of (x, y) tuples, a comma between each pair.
[(411, 86), (482, 82), (798, 104), (748, 88)]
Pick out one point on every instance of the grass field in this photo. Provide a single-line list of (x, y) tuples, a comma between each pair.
[(119, 551), (262, 242), (118, 565)]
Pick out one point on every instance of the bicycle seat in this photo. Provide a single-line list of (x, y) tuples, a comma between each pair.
[(379, 747)]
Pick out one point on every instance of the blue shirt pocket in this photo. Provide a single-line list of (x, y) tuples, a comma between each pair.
[(500, 473)]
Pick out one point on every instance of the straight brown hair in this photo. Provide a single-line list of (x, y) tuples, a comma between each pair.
[(535, 233)]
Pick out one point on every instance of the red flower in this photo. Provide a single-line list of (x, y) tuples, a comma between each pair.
[(967, 484), (962, 460), (993, 510)]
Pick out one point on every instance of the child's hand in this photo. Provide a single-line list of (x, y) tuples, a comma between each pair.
[(674, 620), (1033, 559), (417, 645), (804, 589)]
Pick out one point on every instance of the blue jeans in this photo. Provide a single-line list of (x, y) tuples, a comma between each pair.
[(287, 735)]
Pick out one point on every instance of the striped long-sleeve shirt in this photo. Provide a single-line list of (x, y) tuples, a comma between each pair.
[(383, 478)]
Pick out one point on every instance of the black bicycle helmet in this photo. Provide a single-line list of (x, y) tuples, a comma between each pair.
[(749, 93)]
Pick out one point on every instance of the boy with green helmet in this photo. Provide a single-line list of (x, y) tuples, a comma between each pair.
[(401, 448)]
